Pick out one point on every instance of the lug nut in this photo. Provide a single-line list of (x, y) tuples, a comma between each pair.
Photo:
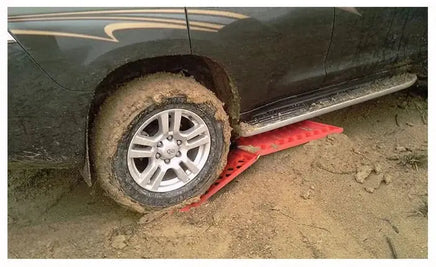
[(170, 137), (178, 154), (167, 161), (159, 144), (157, 155), (179, 142)]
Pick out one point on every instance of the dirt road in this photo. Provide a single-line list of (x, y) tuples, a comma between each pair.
[(360, 194)]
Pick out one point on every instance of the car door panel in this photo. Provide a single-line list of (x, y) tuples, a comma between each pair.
[(270, 53), (373, 40)]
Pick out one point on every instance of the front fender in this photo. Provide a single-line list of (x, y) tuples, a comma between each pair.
[(78, 48)]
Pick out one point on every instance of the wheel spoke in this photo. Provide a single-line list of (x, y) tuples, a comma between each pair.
[(146, 175), (194, 131), (163, 123), (137, 153), (181, 174), (177, 118), (158, 178), (198, 142), (191, 166), (143, 140)]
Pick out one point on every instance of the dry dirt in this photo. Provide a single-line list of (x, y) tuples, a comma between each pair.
[(360, 194)]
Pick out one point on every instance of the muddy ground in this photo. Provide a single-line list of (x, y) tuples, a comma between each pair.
[(359, 194)]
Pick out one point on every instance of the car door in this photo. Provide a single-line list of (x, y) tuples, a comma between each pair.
[(270, 53), (369, 41)]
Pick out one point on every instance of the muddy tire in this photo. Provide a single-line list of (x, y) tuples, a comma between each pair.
[(159, 142)]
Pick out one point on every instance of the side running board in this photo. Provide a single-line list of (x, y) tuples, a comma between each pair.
[(327, 103)]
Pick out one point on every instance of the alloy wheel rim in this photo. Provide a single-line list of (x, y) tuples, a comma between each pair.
[(168, 150)]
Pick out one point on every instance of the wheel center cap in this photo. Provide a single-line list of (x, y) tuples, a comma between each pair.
[(169, 149)]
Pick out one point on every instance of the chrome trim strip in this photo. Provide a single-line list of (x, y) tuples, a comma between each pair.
[(309, 115)]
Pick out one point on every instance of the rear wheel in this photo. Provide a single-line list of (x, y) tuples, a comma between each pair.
[(159, 141)]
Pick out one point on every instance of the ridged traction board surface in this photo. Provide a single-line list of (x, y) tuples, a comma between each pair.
[(249, 149)]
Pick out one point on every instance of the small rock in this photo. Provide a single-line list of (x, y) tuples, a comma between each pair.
[(373, 183), (370, 189), (387, 178), (306, 195), (331, 137), (410, 124), (363, 172), (401, 149), (119, 241), (377, 168), (312, 187)]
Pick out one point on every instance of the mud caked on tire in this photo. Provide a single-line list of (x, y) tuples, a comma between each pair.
[(159, 141)]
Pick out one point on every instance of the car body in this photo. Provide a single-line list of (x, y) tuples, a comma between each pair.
[(259, 61)]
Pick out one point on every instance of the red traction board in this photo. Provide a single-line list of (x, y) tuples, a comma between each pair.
[(249, 149)]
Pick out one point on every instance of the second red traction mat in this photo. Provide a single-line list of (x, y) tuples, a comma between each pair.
[(250, 148)]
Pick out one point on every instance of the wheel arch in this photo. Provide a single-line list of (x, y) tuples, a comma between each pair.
[(204, 70)]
